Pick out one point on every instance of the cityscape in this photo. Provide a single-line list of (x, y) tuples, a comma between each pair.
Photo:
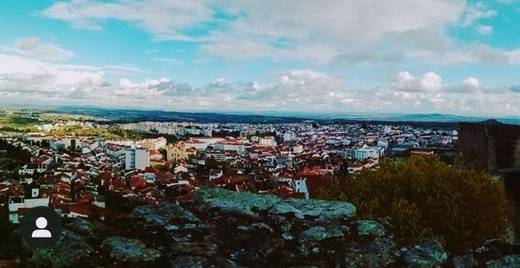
[(220, 133)]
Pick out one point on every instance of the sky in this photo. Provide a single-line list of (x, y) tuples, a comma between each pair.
[(331, 56)]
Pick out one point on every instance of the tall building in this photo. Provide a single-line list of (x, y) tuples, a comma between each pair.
[(137, 159)]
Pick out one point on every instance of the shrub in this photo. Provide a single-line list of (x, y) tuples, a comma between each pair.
[(429, 199)]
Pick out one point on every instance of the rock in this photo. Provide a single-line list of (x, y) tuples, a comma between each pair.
[(244, 204), (163, 214), (320, 240), (229, 264), (188, 261), (221, 228), (249, 205), (85, 227), (129, 250), (194, 248), (492, 250), (258, 227), (71, 249), (370, 228), (380, 252), (507, 261), (319, 233), (429, 253), (465, 261), (320, 209)]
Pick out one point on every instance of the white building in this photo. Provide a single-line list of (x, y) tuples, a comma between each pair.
[(154, 144), (236, 146), (137, 159), (297, 149), (201, 143), (300, 186), (289, 136), (267, 141), (366, 152)]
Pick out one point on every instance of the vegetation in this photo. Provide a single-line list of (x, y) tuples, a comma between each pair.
[(18, 122), (11, 158), (429, 199)]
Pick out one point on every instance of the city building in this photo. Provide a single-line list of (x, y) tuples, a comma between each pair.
[(267, 141), (154, 144), (137, 159)]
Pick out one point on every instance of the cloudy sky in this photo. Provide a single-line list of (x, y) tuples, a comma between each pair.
[(330, 56)]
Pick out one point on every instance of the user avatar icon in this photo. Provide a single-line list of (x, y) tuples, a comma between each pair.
[(41, 232), (41, 227)]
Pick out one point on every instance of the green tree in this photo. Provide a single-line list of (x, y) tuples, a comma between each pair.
[(211, 162), (429, 199)]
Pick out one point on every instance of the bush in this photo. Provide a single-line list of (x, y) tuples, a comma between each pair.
[(428, 199)]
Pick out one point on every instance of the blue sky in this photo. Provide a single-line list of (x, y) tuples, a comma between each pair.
[(335, 56)]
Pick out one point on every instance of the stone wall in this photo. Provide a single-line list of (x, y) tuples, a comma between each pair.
[(219, 228), (489, 146), (495, 147)]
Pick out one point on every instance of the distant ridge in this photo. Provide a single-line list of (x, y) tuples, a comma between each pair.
[(135, 115)]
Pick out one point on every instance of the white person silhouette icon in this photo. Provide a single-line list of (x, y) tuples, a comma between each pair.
[(41, 227), (41, 232)]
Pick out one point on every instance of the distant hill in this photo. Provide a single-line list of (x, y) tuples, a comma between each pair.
[(133, 115)]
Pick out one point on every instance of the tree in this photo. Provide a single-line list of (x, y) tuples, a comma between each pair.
[(211, 162), (429, 199)]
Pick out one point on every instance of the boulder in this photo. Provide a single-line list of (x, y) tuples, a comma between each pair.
[(314, 209), (370, 228), (163, 214), (123, 249), (380, 252), (194, 248), (250, 205), (71, 249), (188, 261), (86, 228), (319, 233), (428, 253), (246, 204), (465, 261), (505, 262)]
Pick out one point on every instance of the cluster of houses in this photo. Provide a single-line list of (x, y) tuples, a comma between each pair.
[(89, 177)]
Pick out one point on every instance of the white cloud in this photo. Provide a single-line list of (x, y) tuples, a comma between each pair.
[(164, 19), (428, 82), (484, 29), (332, 31), (477, 12), (471, 83), (487, 54), (348, 32), (26, 76), (24, 80), (34, 47)]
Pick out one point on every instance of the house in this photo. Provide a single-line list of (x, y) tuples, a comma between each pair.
[(178, 152), (300, 186)]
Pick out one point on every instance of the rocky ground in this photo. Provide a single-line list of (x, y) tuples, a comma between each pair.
[(220, 228)]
